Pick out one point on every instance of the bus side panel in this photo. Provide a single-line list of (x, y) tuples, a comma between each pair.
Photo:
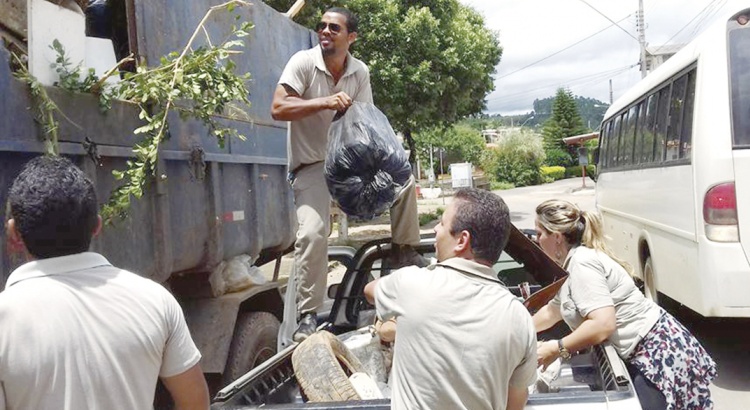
[(657, 201)]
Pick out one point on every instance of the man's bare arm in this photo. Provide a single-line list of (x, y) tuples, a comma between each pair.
[(287, 105), (188, 389), (370, 291), (517, 398)]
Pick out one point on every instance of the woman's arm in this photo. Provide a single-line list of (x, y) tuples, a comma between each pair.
[(546, 317), (598, 326)]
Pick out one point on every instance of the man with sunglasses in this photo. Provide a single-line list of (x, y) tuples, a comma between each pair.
[(314, 85)]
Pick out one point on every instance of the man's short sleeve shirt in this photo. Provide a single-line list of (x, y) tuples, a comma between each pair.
[(80, 333), (462, 338), (307, 75)]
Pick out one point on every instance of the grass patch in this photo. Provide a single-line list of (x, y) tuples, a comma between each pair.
[(427, 217), (500, 185)]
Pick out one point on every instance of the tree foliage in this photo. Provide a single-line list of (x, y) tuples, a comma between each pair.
[(459, 143), (591, 110), (431, 61), (564, 122), (517, 159)]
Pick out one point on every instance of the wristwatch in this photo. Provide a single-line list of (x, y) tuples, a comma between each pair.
[(564, 353)]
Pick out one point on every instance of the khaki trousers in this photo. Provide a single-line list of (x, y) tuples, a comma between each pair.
[(313, 204)]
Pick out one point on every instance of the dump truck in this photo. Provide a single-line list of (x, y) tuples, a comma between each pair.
[(206, 204)]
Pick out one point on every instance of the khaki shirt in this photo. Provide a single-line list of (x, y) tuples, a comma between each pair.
[(462, 337), (598, 281), (79, 333), (307, 74)]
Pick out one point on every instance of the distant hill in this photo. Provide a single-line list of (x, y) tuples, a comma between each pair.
[(591, 110)]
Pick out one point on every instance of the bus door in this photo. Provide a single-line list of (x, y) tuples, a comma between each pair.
[(739, 74)]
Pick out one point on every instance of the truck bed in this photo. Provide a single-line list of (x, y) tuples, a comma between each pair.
[(595, 379)]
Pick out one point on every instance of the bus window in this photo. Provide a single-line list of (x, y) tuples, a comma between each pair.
[(676, 110), (628, 136), (686, 137), (604, 142), (660, 128), (645, 145), (616, 144), (739, 71), (649, 129)]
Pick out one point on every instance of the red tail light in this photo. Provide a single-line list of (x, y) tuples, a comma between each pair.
[(720, 205)]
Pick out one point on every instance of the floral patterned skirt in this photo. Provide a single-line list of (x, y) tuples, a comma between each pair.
[(676, 363)]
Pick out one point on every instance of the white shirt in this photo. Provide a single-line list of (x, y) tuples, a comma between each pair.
[(78, 333), (307, 74), (462, 338)]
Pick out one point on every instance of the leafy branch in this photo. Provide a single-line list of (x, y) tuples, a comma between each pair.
[(199, 82), (44, 107)]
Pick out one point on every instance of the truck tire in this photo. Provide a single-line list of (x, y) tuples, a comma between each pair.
[(253, 343), (322, 365)]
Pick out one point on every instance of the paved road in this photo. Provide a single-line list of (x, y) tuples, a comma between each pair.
[(727, 340)]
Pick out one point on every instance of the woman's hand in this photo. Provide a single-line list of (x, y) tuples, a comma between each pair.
[(546, 353)]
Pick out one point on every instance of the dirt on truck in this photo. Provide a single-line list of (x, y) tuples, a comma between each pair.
[(207, 206)]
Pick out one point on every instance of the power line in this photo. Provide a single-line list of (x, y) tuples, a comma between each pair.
[(706, 17), (612, 21), (686, 25), (560, 51), (587, 79)]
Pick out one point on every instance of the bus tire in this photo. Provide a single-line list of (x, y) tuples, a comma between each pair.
[(322, 366), (649, 281), (253, 343)]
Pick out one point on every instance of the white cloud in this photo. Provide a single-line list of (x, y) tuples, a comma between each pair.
[(531, 30)]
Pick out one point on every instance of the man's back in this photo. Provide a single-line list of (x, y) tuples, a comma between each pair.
[(461, 339), (79, 333)]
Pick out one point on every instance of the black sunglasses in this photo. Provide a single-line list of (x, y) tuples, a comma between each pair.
[(333, 27)]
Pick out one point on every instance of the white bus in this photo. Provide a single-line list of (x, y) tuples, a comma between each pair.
[(674, 174)]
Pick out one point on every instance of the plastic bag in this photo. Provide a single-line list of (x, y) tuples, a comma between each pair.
[(235, 275), (366, 166)]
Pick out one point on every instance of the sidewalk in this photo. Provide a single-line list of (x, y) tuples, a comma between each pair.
[(522, 203)]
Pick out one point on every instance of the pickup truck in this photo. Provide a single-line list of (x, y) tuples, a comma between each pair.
[(592, 379)]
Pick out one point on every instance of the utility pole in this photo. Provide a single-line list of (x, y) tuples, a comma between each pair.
[(640, 23), (611, 94)]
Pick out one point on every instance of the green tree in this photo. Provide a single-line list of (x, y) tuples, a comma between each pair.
[(591, 110), (459, 143), (517, 159), (565, 121), (431, 61)]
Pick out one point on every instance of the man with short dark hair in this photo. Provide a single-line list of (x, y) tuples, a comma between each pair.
[(315, 84), (76, 332), (463, 340)]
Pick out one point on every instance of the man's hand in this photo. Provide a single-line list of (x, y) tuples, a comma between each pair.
[(339, 101), (546, 353)]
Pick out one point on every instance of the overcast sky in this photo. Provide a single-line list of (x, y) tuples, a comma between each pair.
[(532, 30)]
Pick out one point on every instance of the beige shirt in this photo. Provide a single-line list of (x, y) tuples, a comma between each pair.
[(307, 74), (78, 333), (597, 281), (462, 338)]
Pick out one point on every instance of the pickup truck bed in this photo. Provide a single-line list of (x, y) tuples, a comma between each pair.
[(593, 379)]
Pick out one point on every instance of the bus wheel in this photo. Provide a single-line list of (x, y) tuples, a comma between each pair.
[(649, 282)]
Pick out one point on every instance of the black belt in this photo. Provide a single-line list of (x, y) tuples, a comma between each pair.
[(293, 173)]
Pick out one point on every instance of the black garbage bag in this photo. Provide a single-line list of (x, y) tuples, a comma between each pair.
[(366, 166)]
